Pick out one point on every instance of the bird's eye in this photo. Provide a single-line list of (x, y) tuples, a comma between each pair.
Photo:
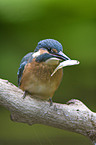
[(49, 49), (52, 51)]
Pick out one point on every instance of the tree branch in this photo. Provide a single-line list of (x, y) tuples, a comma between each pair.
[(73, 116)]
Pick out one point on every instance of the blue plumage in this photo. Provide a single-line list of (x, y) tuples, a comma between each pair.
[(27, 58), (20, 71), (49, 44), (43, 57)]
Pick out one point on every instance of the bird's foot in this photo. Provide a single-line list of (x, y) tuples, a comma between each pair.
[(24, 95), (50, 101)]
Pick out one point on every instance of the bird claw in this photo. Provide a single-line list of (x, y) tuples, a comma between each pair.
[(50, 101), (24, 95)]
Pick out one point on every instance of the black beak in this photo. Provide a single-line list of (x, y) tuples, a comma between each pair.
[(61, 56)]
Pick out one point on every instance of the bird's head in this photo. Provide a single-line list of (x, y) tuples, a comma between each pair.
[(50, 52)]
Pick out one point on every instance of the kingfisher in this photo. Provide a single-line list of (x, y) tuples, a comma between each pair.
[(34, 73)]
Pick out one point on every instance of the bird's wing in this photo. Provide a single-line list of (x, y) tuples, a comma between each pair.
[(27, 58)]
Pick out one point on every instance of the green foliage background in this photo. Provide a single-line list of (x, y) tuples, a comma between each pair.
[(25, 22)]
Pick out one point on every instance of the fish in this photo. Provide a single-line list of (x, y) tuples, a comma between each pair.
[(64, 64)]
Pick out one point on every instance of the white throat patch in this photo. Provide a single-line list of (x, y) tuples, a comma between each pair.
[(36, 54)]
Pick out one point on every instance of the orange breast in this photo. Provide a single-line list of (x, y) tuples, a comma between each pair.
[(37, 79)]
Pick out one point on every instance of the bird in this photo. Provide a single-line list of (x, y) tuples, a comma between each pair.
[(34, 73)]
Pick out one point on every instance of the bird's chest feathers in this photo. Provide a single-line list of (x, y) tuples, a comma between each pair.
[(42, 72), (37, 78)]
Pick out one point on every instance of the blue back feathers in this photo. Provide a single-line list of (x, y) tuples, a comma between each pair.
[(27, 58)]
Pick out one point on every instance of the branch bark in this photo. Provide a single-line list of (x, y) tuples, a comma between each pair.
[(73, 116)]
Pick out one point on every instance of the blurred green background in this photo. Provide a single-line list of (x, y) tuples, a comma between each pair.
[(73, 23)]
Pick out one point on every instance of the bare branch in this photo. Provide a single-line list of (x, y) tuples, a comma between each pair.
[(73, 116)]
